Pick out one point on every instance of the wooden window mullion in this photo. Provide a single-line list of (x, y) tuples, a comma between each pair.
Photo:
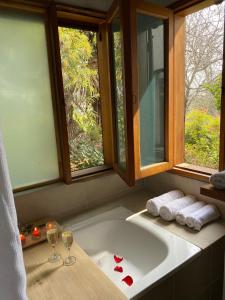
[(222, 116), (60, 102)]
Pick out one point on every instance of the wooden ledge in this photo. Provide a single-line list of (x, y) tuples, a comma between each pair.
[(83, 280), (210, 191)]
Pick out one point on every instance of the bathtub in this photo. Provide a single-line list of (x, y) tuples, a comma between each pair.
[(149, 252)]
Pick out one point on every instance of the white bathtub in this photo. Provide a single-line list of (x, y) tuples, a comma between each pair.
[(149, 252)]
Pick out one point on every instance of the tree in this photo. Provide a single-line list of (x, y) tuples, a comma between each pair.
[(203, 51), (203, 68), (215, 89), (81, 92)]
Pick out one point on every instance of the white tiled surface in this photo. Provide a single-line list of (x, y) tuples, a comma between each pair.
[(60, 200)]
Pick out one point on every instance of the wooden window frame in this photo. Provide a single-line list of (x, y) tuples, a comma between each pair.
[(181, 11), (52, 13), (63, 16), (166, 15), (120, 9), (128, 13), (40, 9)]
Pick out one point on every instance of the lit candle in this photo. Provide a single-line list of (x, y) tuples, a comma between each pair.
[(22, 238), (36, 233), (49, 226)]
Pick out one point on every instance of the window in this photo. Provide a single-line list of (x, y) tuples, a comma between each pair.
[(118, 90), (82, 81), (143, 116), (26, 112), (151, 88), (84, 91), (201, 34), (79, 60), (203, 74), (55, 107)]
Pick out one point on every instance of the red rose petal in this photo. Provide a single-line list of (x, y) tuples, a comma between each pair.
[(118, 259), (128, 280), (118, 269)]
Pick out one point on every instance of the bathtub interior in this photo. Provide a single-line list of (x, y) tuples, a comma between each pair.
[(149, 252), (105, 239)]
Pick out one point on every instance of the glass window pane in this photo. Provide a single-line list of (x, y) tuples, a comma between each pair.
[(204, 34), (119, 92), (82, 97), (151, 88), (26, 115)]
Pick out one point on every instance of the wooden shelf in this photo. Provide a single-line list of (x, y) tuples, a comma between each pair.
[(210, 191)]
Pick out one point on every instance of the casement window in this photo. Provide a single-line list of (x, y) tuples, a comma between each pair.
[(199, 107), (93, 91), (142, 34), (48, 135), (173, 120), (83, 81)]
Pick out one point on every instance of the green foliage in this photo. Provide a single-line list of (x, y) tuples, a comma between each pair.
[(215, 89), (81, 91), (118, 77), (202, 139)]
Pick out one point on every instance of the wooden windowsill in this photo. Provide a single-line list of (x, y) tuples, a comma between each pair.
[(190, 173), (210, 191), (86, 174), (35, 186)]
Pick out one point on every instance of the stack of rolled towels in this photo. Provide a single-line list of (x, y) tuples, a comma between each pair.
[(186, 210)]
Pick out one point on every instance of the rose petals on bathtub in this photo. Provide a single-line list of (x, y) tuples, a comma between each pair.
[(118, 269), (128, 280), (118, 259)]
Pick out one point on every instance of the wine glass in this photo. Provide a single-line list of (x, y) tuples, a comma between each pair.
[(52, 237), (67, 237)]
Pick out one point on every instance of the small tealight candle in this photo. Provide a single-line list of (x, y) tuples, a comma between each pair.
[(36, 234), (22, 238), (50, 225)]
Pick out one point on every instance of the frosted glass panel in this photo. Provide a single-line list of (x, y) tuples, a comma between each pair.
[(151, 88), (26, 115)]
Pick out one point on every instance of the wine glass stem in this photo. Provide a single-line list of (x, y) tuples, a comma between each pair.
[(69, 252), (54, 253)]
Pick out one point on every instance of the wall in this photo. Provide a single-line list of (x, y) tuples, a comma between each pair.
[(60, 200)]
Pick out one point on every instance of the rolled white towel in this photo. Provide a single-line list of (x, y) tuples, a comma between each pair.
[(218, 180), (169, 210), (182, 214), (153, 205), (203, 216), (190, 219)]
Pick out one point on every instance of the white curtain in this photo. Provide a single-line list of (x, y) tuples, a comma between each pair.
[(12, 271)]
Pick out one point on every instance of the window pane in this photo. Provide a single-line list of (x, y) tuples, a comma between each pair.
[(82, 97), (151, 88), (203, 75), (26, 115), (119, 92)]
